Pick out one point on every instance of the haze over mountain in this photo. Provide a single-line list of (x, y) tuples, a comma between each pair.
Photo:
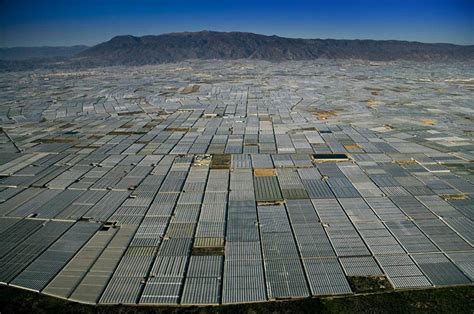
[(174, 47), (28, 53)]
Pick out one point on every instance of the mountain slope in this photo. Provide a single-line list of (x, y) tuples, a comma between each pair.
[(130, 50)]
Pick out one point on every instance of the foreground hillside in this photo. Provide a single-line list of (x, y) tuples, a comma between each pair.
[(444, 300)]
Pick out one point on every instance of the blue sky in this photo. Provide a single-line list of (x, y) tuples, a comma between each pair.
[(69, 22)]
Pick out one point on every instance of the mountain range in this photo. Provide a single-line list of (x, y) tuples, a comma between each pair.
[(175, 47)]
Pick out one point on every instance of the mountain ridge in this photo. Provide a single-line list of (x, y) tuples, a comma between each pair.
[(174, 47), (205, 45)]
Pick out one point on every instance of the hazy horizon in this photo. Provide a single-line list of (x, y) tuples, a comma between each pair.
[(231, 31)]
